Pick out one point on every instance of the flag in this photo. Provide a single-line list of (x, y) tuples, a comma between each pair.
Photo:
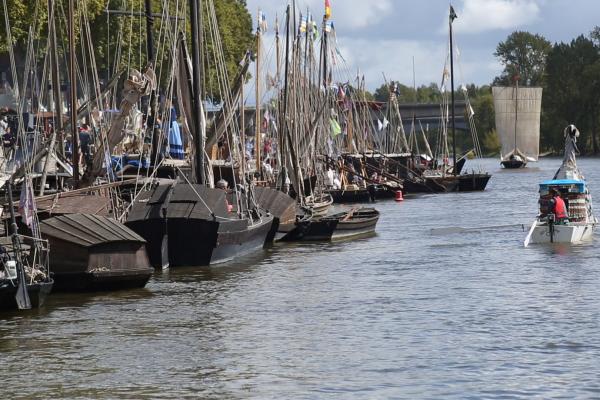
[(335, 127), (329, 26), (327, 9), (266, 119), (453, 15), (262, 22), (303, 24), (26, 203)]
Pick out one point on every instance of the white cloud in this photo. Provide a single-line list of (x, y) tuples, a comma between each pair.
[(479, 16), (352, 14), (394, 58)]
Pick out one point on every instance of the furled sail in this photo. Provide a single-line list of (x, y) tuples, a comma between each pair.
[(518, 121)]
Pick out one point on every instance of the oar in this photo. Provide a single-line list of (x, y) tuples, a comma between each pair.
[(528, 238), (21, 297)]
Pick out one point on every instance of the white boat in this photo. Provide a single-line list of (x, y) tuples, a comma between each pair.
[(517, 112), (571, 184)]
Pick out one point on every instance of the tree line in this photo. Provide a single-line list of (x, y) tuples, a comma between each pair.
[(569, 74)]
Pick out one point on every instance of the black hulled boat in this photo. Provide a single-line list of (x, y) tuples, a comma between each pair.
[(190, 225), (94, 253)]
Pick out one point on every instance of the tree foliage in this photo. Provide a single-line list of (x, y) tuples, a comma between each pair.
[(522, 53), (572, 93), (119, 40)]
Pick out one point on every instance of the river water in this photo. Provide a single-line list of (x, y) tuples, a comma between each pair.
[(443, 302)]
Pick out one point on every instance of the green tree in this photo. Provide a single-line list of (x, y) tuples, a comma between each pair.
[(523, 53), (483, 105), (571, 94)]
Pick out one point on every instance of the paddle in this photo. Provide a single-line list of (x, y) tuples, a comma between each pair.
[(528, 238), (21, 297), (164, 251)]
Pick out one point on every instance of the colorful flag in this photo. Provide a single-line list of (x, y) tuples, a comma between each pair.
[(327, 9), (303, 24), (335, 127)]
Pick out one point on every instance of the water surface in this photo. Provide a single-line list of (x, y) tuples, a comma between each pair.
[(443, 302)]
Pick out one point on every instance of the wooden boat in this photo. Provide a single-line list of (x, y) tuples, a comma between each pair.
[(25, 280), (573, 189), (339, 226), (350, 194), (517, 111), (93, 253), (319, 204), (356, 222), (281, 206), (191, 225)]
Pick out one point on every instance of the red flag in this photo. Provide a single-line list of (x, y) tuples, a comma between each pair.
[(327, 9)]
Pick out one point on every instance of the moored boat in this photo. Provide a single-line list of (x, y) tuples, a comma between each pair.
[(25, 280), (92, 253), (569, 184)]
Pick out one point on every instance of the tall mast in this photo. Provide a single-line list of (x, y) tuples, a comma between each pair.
[(257, 138), (73, 84), (58, 122), (199, 142), (277, 51), (452, 17), (516, 109), (151, 113)]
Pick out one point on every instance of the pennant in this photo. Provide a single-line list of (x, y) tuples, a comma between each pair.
[(266, 119), (385, 122), (27, 203), (327, 9), (303, 24), (335, 127), (329, 26), (262, 22), (453, 15), (379, 125)]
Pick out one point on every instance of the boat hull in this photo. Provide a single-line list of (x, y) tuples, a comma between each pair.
[(572, 233), (513, 164), (37, 295), (362, 223), (473, 182)]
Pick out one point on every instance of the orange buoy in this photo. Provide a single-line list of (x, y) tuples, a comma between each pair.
[(399, 196)]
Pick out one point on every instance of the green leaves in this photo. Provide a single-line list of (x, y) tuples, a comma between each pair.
[(523, 54)]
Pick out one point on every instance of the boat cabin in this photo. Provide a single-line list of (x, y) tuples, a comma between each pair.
[(574, 193)]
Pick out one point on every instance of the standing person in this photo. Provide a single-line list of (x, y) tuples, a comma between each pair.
[(558, 207)]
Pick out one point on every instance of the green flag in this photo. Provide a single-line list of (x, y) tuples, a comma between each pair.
[(335, 127)]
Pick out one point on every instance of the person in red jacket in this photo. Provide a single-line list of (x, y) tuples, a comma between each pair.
[(558, 207)]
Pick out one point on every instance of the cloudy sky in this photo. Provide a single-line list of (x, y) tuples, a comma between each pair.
[(382, 36)]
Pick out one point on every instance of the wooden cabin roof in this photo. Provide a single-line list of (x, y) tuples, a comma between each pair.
[(87, 230), (276, 202), (186, 201)]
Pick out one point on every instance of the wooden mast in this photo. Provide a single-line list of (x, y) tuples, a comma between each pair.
[(73, 84), (257, 137), (199, 142), (452, 16), (58, 120)]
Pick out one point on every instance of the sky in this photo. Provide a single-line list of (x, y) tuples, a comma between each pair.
[(381, 37)]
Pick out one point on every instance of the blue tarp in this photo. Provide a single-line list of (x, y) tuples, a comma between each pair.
[(573, 184), (175, 142)]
